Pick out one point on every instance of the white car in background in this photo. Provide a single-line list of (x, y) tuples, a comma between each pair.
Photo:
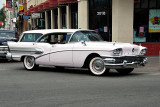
[(75, 48)]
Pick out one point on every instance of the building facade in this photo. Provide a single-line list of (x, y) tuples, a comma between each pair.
[(133, 21)]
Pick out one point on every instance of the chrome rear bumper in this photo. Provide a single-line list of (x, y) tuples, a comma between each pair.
[(125, 62)]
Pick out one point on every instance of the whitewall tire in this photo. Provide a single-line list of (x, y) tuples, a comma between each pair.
[(96, 66), (29, 63)]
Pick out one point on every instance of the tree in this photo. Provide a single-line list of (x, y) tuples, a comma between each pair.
[(2, 16)]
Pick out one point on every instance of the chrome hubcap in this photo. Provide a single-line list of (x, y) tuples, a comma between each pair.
[(30, 61), (98, 66)]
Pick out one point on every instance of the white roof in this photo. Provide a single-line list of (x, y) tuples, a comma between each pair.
[(45, 31)]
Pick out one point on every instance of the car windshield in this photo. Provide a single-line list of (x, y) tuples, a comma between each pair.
[(7, 34), (86, 36), (30, 37)]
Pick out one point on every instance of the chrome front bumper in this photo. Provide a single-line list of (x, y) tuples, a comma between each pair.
[(125, 62)]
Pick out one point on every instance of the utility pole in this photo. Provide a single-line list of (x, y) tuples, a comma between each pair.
[(14, 8), (14, 15)]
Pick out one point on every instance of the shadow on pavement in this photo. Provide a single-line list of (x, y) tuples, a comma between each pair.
[(79, 71), (6, 61)]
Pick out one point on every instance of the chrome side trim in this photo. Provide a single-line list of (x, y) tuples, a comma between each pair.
[(27, 50)]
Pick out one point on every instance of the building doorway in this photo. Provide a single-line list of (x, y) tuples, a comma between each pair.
[(100, 18)]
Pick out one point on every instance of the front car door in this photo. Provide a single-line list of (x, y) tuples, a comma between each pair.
[(60, 52)]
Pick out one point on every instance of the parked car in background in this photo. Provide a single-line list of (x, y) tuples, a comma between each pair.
[(75, 48), (5, 36)]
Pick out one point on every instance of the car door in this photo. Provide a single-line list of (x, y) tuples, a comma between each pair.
[(45, 46), (61, 52)]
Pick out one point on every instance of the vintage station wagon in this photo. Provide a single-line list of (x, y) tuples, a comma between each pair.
[(75, 48)]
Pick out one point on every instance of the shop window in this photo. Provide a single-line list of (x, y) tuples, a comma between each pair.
[(49, 19), (64, 17), (158, 4), (152, 4), (144, 3), (140, 25), (56, 18), (147, 21), (136, 4), (74, 16)]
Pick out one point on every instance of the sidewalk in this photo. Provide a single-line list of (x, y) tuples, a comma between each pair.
[(153, 64)]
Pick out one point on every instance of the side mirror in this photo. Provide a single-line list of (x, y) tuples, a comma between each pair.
[(83, 42)]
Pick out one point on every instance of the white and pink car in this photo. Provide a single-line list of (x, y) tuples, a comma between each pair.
[(75, 48)]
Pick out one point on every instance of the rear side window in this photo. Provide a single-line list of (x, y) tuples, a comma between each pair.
[(55, 38), (30, 37)]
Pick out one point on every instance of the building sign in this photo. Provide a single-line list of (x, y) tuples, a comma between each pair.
[(101, 13), (36, 15), (20, 9), (8, 3), (26, 17), (154, 20)]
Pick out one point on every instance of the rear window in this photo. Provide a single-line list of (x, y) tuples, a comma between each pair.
[(30, 37)]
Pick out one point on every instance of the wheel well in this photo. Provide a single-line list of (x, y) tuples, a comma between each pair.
[(88, 58), (22, 58)]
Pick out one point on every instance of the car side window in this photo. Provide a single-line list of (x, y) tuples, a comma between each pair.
[(30, 37), (45, 39), (77, 37), (55, 38)]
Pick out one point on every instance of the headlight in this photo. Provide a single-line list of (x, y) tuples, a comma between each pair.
[(143, 51), (117, 51)]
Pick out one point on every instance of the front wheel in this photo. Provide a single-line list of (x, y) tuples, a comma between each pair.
[(29, 63), (96, 66), (125, 71)]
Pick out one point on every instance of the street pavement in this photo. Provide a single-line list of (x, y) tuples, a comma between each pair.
[(50, 87)]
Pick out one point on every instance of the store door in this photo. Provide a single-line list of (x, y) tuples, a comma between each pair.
[(100, 23), (100, 17)]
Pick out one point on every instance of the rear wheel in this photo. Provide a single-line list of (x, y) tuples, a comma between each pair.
[(125, 71), (96, 66), (29, 63)]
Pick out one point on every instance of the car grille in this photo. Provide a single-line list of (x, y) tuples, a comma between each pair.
[(129, 59)]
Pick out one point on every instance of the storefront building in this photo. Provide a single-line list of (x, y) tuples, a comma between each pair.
[(133, 21), (147, 25)]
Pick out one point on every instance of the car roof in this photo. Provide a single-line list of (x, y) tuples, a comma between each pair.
[(4, 30), (45, 31)]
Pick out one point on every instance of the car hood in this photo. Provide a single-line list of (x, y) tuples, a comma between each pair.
[(127, 48)]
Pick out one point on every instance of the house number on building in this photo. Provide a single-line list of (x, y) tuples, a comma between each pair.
[(101, 13)]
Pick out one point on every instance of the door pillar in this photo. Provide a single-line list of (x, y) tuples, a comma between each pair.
[(46, 20), (83, 14), (122, 20)]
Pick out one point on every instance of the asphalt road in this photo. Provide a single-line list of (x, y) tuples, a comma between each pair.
[(49, 87)]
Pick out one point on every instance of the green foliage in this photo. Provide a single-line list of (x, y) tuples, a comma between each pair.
[(2, 15)]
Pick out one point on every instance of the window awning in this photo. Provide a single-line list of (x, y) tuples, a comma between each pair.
[(53, 3), (48, 4), (66, 1), (27, 13), (40, 7), (34, 9), (45, 5)]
